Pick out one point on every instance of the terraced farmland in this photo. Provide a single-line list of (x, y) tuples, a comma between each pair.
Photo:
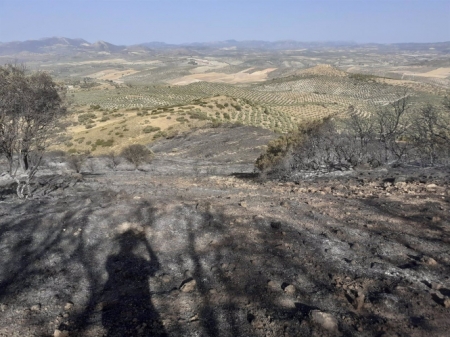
[(279, 104), (99, 130)]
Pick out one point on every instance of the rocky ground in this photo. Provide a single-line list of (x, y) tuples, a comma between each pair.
[(194, 246)]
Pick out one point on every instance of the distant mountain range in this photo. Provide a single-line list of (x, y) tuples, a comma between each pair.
[(56, 45), (62, 45)]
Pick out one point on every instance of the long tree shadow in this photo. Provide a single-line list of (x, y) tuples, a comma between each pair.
[(128, 309), (231, 262)]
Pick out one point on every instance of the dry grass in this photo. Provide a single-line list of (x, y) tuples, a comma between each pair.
[(435, 73), (239, 77), (113, 74), (138, 126)]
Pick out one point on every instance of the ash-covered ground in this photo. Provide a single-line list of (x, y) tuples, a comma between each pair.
[(194, 246)]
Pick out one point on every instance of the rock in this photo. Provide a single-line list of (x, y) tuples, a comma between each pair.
[(257, 324), (193, 318), (205, 207), (358, 300), (100, 306), (166, 278), (400, 180), (272, 285), (174, 292), (324, 319), (327, 189), (3, 307), (188, 285), (435, 286), (68, 306), (61, 333), (400, 184), (36, 307), (446, 302), (289, 289), (243, 204), (431, 186), (428, 260), (77, 176), (440, 299)]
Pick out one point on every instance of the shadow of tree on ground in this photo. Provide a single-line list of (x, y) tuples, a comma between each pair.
[(122, 262)]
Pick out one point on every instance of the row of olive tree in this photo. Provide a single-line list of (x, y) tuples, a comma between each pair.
[(394, 134), (30, 107)]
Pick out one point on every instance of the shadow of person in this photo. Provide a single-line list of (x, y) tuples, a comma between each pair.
[(127, 307)]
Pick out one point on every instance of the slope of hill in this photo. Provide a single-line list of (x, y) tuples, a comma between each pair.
[(184, 249), (126, 114), (99, 130)]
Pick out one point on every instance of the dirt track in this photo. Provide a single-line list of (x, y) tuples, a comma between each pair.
[(187, 250)]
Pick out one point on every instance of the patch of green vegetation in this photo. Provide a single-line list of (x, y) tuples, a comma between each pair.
[(200, 115), (362, 77), (236, 106), (160, 134), (149, 129), (181, 119), (86, 118), (104, 143), (216, 123)]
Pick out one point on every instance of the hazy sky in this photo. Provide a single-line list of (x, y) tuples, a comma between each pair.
[(179, 21)]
